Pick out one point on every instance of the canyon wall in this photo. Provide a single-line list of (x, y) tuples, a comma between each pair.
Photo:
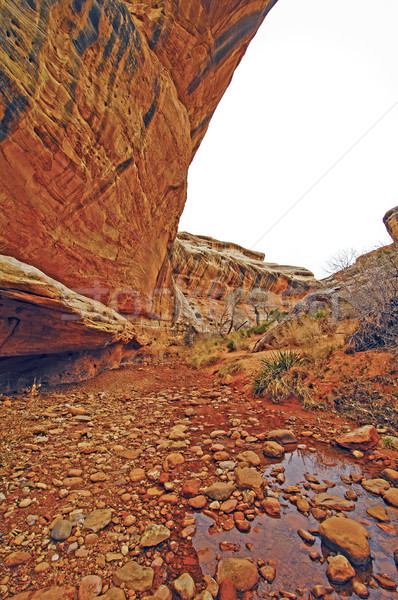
[(103, 104), (220, 282)]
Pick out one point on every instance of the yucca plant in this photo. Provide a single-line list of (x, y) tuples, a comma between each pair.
[(273, 378)]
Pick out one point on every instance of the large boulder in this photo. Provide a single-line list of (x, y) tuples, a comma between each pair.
[(362, 438), (348, 537)]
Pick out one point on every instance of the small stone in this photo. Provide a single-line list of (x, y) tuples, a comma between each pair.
[(61, 530), (17, 558), (137, 475), (391, 497), (25, 503), (361, 438), (268, 572), (227, 589), (42, 567), (198, 502), (339, 570), (272, 507), (249, 457), (98, 519), (242, 572), (185, 586), (248, 478), (220, 491), (346, 536), (273, 450), (154, 534), (134, 577), (90, 587), (360, 589), (379, 513), (386, 582), (282, 436)]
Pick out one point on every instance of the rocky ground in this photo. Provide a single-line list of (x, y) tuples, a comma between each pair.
[(156, 480)]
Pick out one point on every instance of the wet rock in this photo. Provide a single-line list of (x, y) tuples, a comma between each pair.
[(268, 572), (360, 589), (154, 534), (375, 486), (395, 555), (185, 586), (220, 491), (248, 478), (227, 589), (282, 436), (326, 500), (271, 506), (379, 513), (391, 497), (17, 558), (306, 536), (339, 570), (362, 438), (273, 450), (134, 577), (205, 595), (242, 572), (348, 537), (303, 505), (386, 582), (67, 592), (211, 585), (98, 519), (90, 587), (61, 530), (229, 505), (249, 457), (391, 475)]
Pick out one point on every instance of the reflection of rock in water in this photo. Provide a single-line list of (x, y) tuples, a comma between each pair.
[(277, 539)]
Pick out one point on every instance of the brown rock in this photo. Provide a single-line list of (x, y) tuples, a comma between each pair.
[(173, 460), (154, 534), (242, 572), (90, 587), (17, 558), (220, 491), (386, 582), (98, 519), (391, 497), (227, 589), (362, 438), (191, 488), (339, 570), (273, 450), (268, 572), (185, 586), (249, 457), (346, 536), (375, 486), (391, 475), (282, 436), (248, 478), (360, 589), (271, 506), (114, 593), (198, 502), (134, 577), (326, 500), (379, 513)]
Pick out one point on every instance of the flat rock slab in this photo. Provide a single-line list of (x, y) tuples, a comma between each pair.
[(375, 486), (282, 436), (391, 497), (67, 592), (154, 534), (362, 438), (326, 500), (98, 519), (220, 491), (348, 537), (242, 572), (248, 478), (134, 577)]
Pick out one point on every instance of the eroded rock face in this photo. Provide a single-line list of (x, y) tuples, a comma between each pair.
[(48, 330), (215, 279), (390, 220), (103, 105)]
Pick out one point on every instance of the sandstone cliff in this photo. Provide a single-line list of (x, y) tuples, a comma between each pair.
[(217, 281), (102, 106)]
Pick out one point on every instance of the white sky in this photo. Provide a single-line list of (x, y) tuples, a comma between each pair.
[(316, 78)]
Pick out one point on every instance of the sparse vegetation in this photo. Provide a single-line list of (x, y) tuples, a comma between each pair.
[(277, 378)]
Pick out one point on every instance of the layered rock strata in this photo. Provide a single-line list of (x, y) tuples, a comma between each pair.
[(217, 282), (103, 104), (52, 334)]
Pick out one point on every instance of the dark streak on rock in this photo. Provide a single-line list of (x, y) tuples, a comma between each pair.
[(147, 118), (228, 40), (89, 35), (202, 124), (14, 106), (124, 165)]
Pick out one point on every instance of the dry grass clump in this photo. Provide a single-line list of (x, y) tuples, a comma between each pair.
[(281, 377)]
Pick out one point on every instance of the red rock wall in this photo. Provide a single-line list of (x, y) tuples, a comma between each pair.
[(102, 106)]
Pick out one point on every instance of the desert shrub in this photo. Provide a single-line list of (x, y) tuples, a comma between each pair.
[(373, 294), (230, 368), (276, 378), (364, 402)]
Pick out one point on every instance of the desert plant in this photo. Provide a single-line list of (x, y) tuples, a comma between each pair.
[(272, 378)]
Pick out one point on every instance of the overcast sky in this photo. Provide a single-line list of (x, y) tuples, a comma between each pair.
[(316, 78)]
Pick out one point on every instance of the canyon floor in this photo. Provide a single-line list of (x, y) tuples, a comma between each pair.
[(107, 491)]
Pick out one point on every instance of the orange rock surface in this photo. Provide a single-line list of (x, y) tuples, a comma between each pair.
[(102, 106)]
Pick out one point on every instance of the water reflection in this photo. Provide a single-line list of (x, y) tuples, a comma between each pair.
[(277, 539)]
